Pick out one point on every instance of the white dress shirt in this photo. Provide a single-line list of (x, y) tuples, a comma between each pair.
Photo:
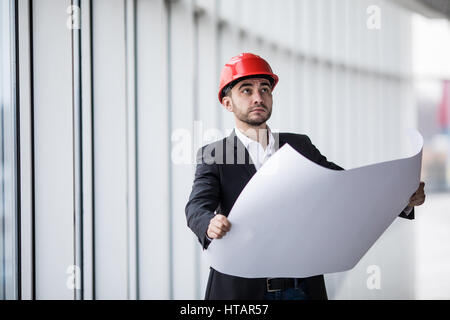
[(258, 154)]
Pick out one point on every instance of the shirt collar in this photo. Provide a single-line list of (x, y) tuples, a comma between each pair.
[(246, 140)]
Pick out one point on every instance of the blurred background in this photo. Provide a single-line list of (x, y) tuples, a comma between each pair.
[(98, 96)]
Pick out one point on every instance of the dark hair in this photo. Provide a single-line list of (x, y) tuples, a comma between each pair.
[(227, 88)]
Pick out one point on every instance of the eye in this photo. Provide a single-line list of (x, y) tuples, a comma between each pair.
[(246, 91)]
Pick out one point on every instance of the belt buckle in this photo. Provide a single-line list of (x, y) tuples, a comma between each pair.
[(268, 286)]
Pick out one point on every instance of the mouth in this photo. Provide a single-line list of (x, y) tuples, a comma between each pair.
[(258, 110)]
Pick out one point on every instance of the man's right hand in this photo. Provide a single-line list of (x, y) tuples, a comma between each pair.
[(218, 227)]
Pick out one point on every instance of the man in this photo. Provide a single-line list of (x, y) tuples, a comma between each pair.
[(225, 166)]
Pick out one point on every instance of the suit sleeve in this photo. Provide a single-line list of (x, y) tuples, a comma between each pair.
[(318, 158), (204, 198), (409, 216)]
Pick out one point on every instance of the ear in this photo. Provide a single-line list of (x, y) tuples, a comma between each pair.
[(226, 102)]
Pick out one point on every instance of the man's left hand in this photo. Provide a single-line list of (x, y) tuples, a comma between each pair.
[(418, 197)]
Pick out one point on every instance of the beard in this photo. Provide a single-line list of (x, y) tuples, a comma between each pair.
[(255, 120)]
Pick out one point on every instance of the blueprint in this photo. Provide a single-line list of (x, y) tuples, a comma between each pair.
[(295, 218)]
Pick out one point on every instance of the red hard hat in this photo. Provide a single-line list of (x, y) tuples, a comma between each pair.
[(245, 65)]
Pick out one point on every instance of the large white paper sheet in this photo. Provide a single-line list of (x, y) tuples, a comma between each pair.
[(295, 218)]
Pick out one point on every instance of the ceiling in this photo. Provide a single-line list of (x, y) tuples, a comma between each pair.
[(436, 9)]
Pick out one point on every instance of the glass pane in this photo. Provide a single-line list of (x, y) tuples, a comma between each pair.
[(8, 206)]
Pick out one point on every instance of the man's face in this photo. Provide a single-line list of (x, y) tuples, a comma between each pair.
[(250, 101)]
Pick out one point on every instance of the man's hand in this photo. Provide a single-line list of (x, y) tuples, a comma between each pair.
[(218, 227), (418, 197)]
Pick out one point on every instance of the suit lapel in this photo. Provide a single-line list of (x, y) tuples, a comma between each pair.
[(237, 154)]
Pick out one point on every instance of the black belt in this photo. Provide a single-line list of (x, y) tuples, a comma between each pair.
[(278, 284)]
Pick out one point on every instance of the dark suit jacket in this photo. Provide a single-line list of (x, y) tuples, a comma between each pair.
[(223, 169)]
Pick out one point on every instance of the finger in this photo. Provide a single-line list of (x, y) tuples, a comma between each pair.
[(413, 202), (220, 225), (421, 199), (216, 233), (224, 220), (226, 223), (218, 236), (220, 217), (421, 186), (418, 201), (212, 234), (418, 194), (218, 230)]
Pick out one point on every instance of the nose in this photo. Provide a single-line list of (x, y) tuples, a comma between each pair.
[(257, 98)]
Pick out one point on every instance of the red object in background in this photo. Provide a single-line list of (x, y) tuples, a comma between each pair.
[(444, 107)]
